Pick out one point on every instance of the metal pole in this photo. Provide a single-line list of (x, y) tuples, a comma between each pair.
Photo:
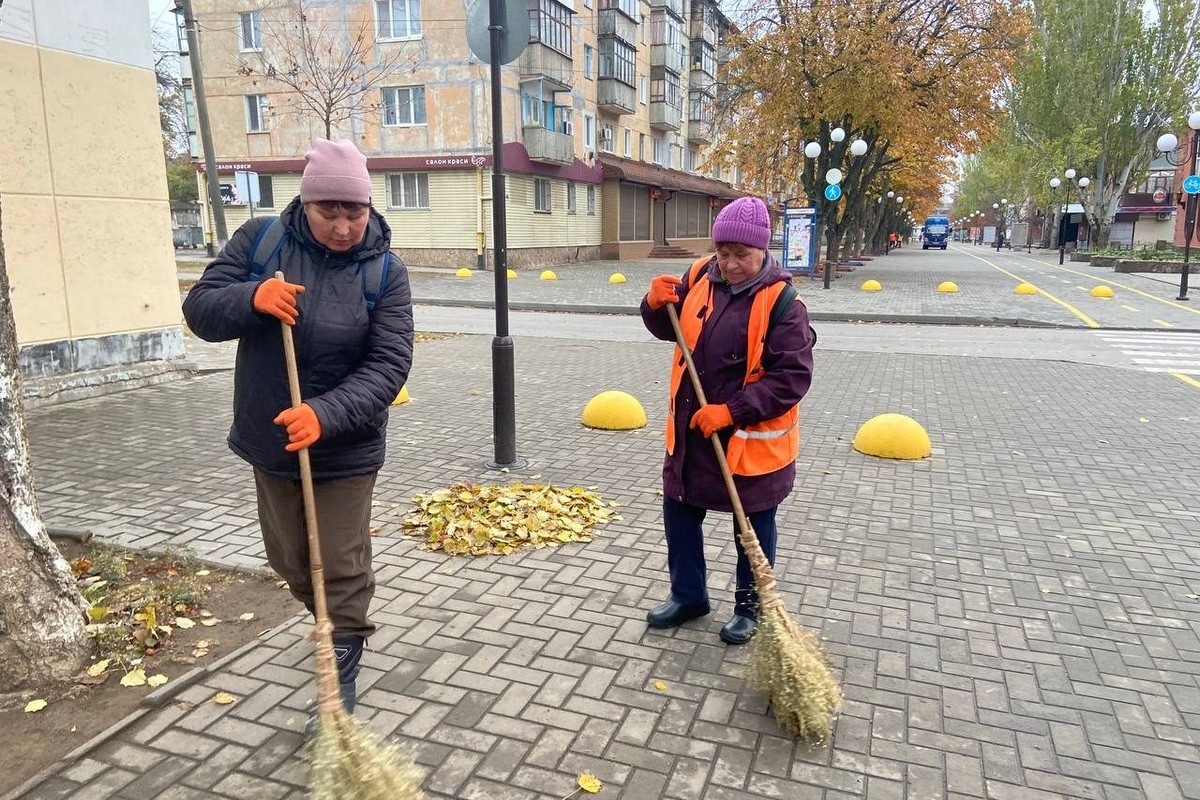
[(1062, 228), (1189, 224), (504, 411), (210, 158)]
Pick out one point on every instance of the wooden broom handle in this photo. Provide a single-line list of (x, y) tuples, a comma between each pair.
[(327, 686), (764, 576)]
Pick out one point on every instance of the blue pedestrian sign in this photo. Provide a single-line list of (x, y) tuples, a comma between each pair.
[(1191, 184), (833, 191)]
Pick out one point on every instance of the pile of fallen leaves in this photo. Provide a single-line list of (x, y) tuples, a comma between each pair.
[(478, 520)]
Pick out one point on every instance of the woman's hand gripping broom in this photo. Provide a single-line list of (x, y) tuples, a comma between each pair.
[(348, 761), (787, 662)]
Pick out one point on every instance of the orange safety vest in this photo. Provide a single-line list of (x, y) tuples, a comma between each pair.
[(756, 449)]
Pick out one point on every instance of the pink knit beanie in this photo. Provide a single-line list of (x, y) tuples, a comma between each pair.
[(335, 171), (744, 221)]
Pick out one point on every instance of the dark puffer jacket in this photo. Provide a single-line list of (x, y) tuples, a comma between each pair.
[(352, 363)]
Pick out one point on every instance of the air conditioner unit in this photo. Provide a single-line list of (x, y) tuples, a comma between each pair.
[(1163, 216), (568, 126), (606, 135)]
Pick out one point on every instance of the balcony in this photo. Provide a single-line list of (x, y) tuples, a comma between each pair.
[(700, 80), (555, 69), (614, 97), (669, 56), (700, 118), (549, 147), (664, 116), (612, 22), (703, 25), (674, 6)]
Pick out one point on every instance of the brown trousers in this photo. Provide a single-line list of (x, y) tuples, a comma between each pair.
[(344, 523)]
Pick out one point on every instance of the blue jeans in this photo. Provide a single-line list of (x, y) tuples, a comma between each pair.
[(685, 549)]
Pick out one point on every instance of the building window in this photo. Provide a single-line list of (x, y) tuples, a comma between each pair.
[(704, 57), (618, 61), (661, 152), (571, 197), (589, 60), (666, 29), (398, 19), (404, 105), (627, 7), (607, 139), (250, 30), (256, 113), (689, 160), (664, 88), (591, 201), (641, 147), (541, 195), (266, 192), (550, 24), (408, 190), (644, 90), (589, 132), (635, 213), (628, 143)]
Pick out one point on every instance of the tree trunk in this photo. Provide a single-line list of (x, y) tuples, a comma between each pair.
[(42, 635)]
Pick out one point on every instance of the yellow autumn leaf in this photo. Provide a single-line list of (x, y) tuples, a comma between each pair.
[(34, 706), (184, 623), (224, 698), (202, 572), (662, 687), (589, 783), (157, 680), (97, 613), (208, 622), (249, 615), (98, 669), (135, 677)]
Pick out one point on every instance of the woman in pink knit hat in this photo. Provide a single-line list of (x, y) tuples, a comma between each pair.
[(347, 298), (752, 345)]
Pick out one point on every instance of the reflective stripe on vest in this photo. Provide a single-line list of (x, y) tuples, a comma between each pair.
[(756, 449)]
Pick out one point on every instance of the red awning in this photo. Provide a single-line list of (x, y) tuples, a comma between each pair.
[(652, 175)]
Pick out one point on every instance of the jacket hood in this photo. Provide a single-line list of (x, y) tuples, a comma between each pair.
[(378, 238)]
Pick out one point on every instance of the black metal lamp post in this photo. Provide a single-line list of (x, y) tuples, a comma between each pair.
[(1167, 144)]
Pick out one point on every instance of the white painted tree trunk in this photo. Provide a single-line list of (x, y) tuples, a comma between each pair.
[(42, 635)]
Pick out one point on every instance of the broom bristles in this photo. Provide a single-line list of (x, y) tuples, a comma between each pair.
[(789, 666), (349, 761)]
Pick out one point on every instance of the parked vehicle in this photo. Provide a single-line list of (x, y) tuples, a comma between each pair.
[(935, 233)]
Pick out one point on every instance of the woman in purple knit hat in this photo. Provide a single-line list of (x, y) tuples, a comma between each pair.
[(752, 345), (347, 299)]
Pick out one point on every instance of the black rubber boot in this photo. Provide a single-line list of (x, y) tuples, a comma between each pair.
[(741, 627), (348, 651)]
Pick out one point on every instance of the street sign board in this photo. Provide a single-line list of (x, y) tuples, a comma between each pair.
[(513, 36), (833, 192), (1191, 184), (799, 239)]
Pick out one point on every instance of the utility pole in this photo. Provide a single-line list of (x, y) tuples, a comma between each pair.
[(216, 206)]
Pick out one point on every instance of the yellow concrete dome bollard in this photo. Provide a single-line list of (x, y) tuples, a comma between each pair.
[(614, 411), (616, 277), (871, 286), (512, 273), (403, 397), (1026, 288), (548, 275), (1101, 291), (463, 272), (948, 287), (893, 436)]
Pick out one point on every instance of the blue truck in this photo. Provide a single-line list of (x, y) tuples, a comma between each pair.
[(936, 232)]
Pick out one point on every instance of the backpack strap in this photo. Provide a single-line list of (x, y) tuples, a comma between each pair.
[(265, 248), (782, 304), (374, 278)]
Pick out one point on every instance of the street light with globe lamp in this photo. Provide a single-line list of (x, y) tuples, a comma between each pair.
[(1167, 145), (833, 176)]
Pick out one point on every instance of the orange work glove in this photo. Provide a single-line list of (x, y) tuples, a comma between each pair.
[(278, 298), (303, 427), (711, 419), (663, 291)]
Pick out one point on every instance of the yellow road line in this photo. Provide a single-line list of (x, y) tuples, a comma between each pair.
[(1188, 379), (1171, 303), (1091, 323), (1162, 323), (1131, 308)]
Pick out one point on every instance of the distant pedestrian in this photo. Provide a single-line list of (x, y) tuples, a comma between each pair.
[(349, 303), (752, 345)]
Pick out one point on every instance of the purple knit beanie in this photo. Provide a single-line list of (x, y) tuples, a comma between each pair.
[(744, 221), (335, 171)]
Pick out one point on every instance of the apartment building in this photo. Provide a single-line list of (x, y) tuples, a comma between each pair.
[(607, 118), (87, 227)]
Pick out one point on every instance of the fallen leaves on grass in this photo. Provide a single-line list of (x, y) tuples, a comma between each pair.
[(473, 519)]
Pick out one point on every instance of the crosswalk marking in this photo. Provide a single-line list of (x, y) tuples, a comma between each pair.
[(1158, 351)]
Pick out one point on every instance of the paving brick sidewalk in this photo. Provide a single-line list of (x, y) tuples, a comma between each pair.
[(1010, 619)]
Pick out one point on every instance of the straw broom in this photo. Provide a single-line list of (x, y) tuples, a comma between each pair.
[(787, 662), (348, 761)]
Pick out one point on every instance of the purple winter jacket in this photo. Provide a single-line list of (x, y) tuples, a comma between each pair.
[(691, 475)]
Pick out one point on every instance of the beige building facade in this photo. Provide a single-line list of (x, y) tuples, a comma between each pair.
[(87, 230), (606, 117)]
